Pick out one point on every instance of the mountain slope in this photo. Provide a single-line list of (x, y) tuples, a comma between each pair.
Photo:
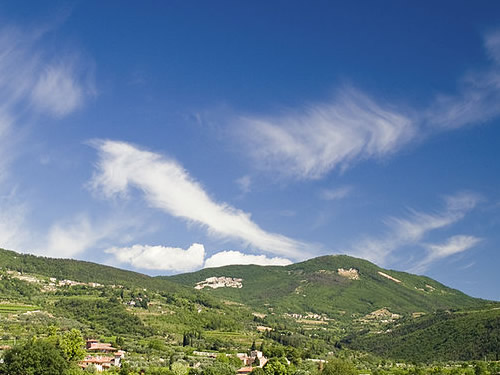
[(82, 271), (333, 285), (314, 306), (436, 337)]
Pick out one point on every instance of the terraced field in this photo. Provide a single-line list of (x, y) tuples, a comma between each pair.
[(9, 308)]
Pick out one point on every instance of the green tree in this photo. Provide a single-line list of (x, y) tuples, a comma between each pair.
[(71, 344), (258, 371), (222, 358), (36, 357), (219, 368), (90, 369), (276, 366), (337, 366), (479, 368), (179, 368), (253, 347), (125, 369)]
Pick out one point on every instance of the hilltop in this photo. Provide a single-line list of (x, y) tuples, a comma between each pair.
[(335, 285)]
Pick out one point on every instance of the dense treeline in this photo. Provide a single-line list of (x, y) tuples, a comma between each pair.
[(106, 316), (439, 336)]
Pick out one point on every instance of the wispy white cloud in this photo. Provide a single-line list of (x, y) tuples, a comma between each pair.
[(492, 45), (478, 96), (454, 245), (337, 193), (57, 91), (317, 139), (411, 230), (161, 257), (167, 186), (225, 258), (34, 82), (75, 236), (310, 142), (245, 184), (12, 221)]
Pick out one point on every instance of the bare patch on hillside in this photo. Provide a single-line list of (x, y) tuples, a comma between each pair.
[(389, 277), (351, 273)]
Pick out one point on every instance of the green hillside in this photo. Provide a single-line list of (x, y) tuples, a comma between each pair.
[(304, 310), (82, 271), (317, 286), (443, 336)]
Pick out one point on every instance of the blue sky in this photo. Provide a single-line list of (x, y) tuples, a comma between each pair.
[(165, 137)]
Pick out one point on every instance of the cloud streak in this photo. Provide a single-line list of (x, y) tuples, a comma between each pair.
[(412, 230), (73, 237), (56, 90), (310, 142), (335, 194), (322, 137), (454, 245), (32, 83), (167, 186)]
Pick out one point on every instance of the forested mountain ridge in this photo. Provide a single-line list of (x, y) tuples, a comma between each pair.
[(308, 309), (336, 285), (431, 338), (81, 271)]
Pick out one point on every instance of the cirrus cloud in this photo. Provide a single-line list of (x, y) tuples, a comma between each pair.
[(309, 143), (454, 245), (411, 230)]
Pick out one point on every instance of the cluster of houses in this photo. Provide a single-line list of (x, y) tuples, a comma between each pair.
[(306, 316), (219, 282), (103, 356), (255, 359)]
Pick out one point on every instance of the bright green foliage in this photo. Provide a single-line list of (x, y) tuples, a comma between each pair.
[(219, 368), (159, 371), (222, 358), (36, 357), (90, 369), (107, 316), (179, 368), (337, 366), (480, 368), (71, 344), (276, 366), (258, 371)]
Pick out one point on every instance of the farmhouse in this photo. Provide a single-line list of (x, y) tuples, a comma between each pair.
[(101, 362), (255, 359), (96, 346)]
